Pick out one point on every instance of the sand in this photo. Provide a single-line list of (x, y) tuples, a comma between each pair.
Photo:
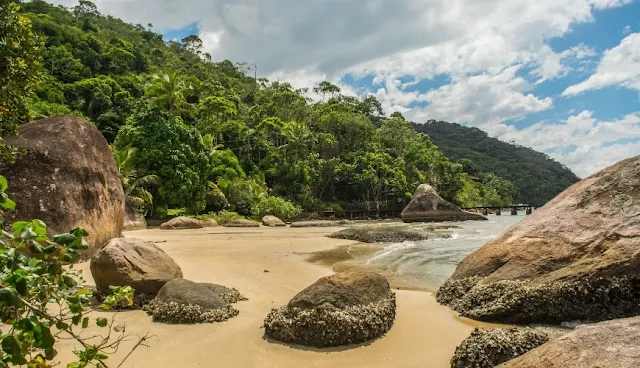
[(425, 334)]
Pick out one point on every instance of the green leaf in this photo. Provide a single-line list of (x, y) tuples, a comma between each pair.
[(101, 321), (50, 353), (85, 322), (35, 247), (64, 239), (28, 233), (18, 226), (9, 296), (39, 227), (75, 320), (47, 340), (101, 356), (4, 184), (6, 202), (13, 346)]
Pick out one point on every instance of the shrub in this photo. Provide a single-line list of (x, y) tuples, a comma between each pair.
[(276, 206), (221, 217), (38, 293)]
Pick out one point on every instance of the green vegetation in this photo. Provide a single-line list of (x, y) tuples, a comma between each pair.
[(536, 177), (222, 217), (218, 139), (42, 299)]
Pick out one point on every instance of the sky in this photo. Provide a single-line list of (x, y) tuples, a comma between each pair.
[(559, 76)]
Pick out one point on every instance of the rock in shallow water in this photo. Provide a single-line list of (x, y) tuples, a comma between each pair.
[(575, 258), (345, 308), (385, 234), (487, 348), (427, 206)]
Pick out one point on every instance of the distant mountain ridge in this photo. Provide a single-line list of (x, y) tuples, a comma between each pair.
[(537, 177)]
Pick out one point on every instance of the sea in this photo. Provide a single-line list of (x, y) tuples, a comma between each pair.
[(419, 265)]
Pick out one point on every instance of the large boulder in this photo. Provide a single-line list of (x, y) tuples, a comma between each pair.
[(209, 223), (182, 222), (184, 301), (487, 348), (577, 258), (272, 221), (345, 308), (606, 344), (133, 219), (67, 177), (133, 262), (426, 205)]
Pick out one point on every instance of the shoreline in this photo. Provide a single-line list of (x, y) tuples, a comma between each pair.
[(424, 333)]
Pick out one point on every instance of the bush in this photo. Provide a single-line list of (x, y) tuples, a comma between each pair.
[(276, 206), (221, 217)]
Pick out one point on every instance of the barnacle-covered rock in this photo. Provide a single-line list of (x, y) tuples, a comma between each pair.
[(575, 258), (242, 223), (606, 344), (184, 301), (486, 348), (345, 308)]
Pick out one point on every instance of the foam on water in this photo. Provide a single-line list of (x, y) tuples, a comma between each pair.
[(430, 263)]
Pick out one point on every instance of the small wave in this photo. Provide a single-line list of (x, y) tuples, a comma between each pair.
[(392, 248)]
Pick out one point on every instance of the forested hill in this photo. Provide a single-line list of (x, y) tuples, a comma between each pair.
[(201, 135), (537, 177)]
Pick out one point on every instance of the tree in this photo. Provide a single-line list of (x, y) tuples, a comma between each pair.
[(173, 151), (39, 292), (136, 187), (20, 52), (326, 87), (192, 43), (168, 90)]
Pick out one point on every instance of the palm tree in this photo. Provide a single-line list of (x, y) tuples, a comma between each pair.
[(135, 187), (169, 91), (299, 139)]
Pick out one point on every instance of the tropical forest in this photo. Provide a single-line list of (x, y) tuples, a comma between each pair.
[(196, 136)]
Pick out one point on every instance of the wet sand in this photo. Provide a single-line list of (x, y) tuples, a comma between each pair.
[(425, 334)]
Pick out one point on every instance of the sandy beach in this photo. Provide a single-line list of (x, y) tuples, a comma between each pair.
[(269, 266)]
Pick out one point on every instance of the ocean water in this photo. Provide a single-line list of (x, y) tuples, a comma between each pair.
[(423, 264)]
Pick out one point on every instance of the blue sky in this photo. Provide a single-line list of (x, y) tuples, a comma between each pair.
[(561, 77)]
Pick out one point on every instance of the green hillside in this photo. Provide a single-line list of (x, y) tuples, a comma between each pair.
[(201, 135), (537, 177)]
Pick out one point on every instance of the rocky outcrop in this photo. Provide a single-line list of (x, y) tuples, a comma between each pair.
[(208, 223), (272, 221), (184, 301), (315, 223), (487, 348), (606, 344), (427, 206), (133, 262), (133, 220), (66, 177), (182, 222), (345, 308), (385, 234), (242, 223), (577, 258)]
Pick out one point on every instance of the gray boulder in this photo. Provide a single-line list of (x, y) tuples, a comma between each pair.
[(133, 220), (272, 221), (182, 222), (242, 223), (184, 301), (345, 308), (133, 262), (427, 206)]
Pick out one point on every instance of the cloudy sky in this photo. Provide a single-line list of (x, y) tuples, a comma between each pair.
[(560, 76)]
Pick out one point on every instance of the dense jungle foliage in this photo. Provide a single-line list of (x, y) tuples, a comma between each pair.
[(537, 177), (206, 136)]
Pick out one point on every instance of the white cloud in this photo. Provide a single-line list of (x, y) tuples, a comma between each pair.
[(620, 66)]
